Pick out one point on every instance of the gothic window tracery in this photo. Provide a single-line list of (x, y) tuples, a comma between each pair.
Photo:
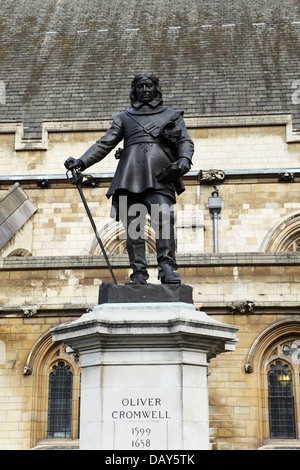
[(60, 401), (274, 361), (281, 401), (284, 236), (283, 379), (56, 390), (294, 245)]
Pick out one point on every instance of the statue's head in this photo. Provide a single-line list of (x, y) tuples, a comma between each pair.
[(153, 92)]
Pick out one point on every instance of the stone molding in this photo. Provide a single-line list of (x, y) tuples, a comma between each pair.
[(57, 444), (67, 310), (190, 260), (25, 143), (37, 351), (151, 325), (267, 337), (210, 177), (282, 233)]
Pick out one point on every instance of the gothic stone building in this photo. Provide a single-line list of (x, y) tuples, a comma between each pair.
[(233, 67)]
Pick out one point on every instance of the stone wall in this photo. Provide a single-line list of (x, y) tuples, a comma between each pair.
[(253, 201), (251, 207), (50, 271), (43, 292), (19, 413), (236, 143)]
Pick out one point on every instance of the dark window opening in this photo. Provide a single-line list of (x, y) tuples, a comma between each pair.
[(281, 402), (60, 401)]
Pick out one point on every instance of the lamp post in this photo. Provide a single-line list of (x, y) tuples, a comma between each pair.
[(214, 205)]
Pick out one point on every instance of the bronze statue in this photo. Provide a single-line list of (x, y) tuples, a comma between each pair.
[(157, 152)]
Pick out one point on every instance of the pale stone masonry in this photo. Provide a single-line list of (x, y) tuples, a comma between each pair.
[(43, 292), (58, 277), (227, 145), (252, 202)]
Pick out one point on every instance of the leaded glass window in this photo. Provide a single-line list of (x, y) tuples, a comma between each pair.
[(60, 401), (281, 402)]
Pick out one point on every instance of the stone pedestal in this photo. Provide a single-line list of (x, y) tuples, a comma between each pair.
[(144, 374)]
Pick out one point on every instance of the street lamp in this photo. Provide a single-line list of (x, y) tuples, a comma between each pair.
[(214, 205)]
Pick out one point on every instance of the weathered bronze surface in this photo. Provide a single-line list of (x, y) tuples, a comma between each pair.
[(157, 153)]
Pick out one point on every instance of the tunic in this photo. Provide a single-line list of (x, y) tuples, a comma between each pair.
[(145, 153)]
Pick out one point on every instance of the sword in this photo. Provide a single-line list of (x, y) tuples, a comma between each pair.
[(77, 178)]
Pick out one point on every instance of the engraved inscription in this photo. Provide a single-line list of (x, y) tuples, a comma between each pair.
[(148, 408), (141, 437)]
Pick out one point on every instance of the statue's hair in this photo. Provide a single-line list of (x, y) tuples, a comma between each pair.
[(152, 77)]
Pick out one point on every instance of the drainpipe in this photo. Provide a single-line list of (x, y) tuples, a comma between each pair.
[(214, 205)]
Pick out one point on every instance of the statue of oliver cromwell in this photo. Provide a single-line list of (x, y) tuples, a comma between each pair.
[(157, 153)]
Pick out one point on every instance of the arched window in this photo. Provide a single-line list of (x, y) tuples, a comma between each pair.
[(60, 401), (113, 237), (281, 402), (274, 363), (284, 236), (55, 374)]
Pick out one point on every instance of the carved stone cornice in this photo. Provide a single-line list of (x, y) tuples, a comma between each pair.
[(211, 176), (286, 177), (30, 311), (242, 307)]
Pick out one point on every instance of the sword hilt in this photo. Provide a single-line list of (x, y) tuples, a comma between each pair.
[(74, 175)]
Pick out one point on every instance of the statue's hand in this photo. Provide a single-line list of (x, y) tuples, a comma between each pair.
[(184, 164), (72, 163)]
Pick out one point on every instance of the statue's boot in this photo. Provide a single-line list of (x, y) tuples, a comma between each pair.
[(137, 258), (165, 249), (167, 275)]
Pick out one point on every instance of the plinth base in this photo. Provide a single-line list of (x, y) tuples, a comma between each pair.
[(131, 293), (144, 374)]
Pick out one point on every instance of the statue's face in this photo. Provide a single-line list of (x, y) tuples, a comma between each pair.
[(145, 90)]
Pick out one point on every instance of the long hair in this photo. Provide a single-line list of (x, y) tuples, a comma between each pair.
[(154, 79)]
